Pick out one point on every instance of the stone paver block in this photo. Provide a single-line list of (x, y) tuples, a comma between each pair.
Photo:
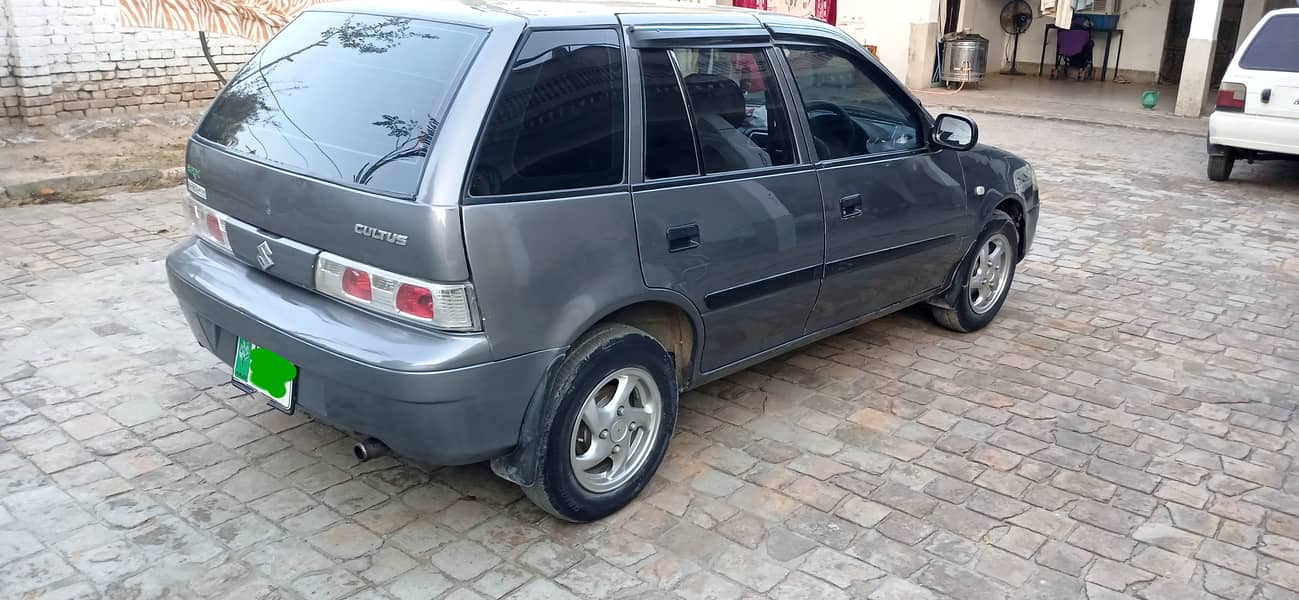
[(346, 541), (1123, 429), (1231, 557), (900, 589), (1063, 557)]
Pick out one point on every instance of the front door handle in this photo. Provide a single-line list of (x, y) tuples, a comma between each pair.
[(850, 206), (683, 237)]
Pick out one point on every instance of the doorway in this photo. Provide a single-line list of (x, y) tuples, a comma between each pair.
[(951, 16), (1179, 29)]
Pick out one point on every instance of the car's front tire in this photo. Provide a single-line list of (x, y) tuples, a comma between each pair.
[(613, 406), (1220, 166), (984, 277)]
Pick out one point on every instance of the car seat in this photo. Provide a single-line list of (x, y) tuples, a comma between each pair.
[(719, 113)]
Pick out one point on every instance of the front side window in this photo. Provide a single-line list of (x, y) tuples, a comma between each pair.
[(557, 123), (849, 112), (1275, 47)]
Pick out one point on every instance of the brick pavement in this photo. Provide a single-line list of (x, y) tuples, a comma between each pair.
[(1125, 429)]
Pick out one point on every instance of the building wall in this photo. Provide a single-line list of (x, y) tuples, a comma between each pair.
[(70, 58), (1253, 13), (8, 87), (885, 24), (881, 23), (984, 18), (1144, 22)]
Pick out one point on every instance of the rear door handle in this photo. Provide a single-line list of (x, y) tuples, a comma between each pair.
[(683, 237), (850, 206)]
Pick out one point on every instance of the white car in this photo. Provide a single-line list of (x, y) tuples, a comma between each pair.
[(1257, 115)]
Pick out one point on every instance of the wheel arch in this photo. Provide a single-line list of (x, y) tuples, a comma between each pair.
[(669, 319), (1014, 206), (1011, 205), (671, 325)]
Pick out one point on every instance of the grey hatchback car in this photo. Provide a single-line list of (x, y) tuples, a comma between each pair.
[(517, 231)]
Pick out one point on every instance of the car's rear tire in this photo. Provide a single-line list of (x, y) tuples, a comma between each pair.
[(1220, 166), (612, 409), (984, 278)]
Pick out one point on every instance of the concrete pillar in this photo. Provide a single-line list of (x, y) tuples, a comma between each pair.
[(1197, 66), (922, 43), (1250, 15)]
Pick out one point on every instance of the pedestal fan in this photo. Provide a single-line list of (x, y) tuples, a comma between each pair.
[(1016, 16)]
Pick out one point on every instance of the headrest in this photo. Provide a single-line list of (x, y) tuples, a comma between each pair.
[(716, 95)]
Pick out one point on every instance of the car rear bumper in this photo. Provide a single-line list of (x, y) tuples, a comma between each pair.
[(1254, 132), (434, 397)]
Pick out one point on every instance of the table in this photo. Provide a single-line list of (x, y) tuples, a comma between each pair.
[(1105, 62)]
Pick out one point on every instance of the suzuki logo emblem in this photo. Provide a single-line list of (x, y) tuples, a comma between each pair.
[(264, 256)]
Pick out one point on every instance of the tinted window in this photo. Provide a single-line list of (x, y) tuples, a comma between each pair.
[(669, 143), (737, 110), (1276, 47), (354, 99), (849, 111), (557, 123)]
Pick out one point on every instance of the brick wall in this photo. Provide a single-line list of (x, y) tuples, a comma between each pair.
[(8, 87), (70, 58)]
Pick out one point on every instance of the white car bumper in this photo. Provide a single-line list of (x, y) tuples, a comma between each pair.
[(1254, 132)]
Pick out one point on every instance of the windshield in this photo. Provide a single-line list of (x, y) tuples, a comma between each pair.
[(1276, 47), (349, 98)]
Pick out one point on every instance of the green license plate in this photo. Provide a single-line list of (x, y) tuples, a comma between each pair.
[(264, 372)]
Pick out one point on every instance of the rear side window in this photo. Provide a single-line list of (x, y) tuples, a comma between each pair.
[(1276, 47), (731, 116), (737, 108), (557, 123), (669, 142), (348, 98)]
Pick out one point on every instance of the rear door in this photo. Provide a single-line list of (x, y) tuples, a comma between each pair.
[(1269, 67), (727, 213), (896, 215)]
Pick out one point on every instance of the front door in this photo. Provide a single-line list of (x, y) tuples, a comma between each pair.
[(727, 213), (895, 210)]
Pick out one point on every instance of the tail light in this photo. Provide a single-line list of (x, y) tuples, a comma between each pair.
[(415, 301), (208, 224), (445, 306), (1231, 97), (356, 283)]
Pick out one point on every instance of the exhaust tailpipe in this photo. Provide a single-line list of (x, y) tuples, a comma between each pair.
[(369, 448)]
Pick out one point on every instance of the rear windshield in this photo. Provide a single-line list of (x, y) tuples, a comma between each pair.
[(1276, 47), (349, 98)]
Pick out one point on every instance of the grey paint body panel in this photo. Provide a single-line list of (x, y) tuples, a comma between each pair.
[(438, 398), (915, 224), (325, 215), (320, 322), (545, 270), (750, 229)]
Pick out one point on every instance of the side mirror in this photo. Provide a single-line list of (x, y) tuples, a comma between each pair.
[(957, 132)]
